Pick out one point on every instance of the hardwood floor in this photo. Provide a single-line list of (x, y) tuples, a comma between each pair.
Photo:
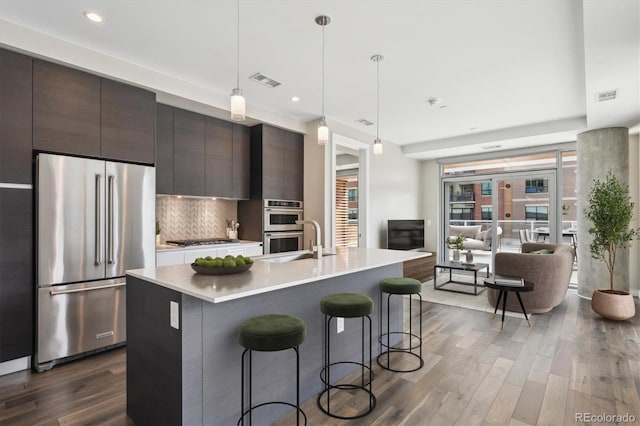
[(570, 361)]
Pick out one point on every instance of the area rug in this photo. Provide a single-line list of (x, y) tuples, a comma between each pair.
[(467, 301)]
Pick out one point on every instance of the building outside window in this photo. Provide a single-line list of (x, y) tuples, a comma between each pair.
[(486, 188), (536, 185), (352, 215), (461, 213), (536, 212), (353, 194)]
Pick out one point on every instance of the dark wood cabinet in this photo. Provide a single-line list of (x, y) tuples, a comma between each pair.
[(241, 161), (164, 149), (16, 270), (293, 178), (128, 123), (15, 117), (79, 113), (66, 110), (188, 153), (218, 158), (277, 163)]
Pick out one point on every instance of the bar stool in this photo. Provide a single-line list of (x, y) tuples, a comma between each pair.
[(268, 333), (346, 305), (400, 286)]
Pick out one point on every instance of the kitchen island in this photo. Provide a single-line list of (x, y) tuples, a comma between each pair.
[(183, 359)]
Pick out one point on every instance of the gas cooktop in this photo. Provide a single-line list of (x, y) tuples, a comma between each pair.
[(202, 242)]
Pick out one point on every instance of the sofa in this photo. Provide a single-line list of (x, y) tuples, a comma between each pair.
[(475, 237), (549, 273)]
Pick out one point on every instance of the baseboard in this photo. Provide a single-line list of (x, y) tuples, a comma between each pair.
[(14, 365)]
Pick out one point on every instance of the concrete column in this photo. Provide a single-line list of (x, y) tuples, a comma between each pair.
[(599, 151)]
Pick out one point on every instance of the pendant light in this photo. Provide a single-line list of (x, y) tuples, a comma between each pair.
[(377, 144), (237, 97), (323, 129)]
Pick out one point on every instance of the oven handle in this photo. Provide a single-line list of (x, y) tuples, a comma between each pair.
[(78, 290), (284, 234), (283, 210)]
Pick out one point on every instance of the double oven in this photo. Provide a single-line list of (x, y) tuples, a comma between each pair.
[(281, 233)]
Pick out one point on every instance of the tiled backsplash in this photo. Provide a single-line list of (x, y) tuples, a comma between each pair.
[(189, 218)]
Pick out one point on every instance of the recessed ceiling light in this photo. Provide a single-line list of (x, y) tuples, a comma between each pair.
[(93, 16), (295, 99)]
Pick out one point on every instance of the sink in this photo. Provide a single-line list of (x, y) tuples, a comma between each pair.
[(284, 257)]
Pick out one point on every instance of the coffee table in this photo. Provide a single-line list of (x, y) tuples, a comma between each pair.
[(460, 266)]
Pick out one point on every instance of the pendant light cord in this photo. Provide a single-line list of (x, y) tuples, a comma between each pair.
[(378, 100), (323, 71), (238, 46)]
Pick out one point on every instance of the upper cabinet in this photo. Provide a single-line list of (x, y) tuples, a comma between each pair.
[(219, 158), (201, 155), (127, 122), (188, 153), (79, 113), (164, 149), (241, 161), (15, 117), (277, 163), (66, 110)]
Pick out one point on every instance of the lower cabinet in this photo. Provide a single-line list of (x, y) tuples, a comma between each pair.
[(16, 274), (177, 257), (420, 269)]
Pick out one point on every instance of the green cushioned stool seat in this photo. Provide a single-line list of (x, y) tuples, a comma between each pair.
[(400, 286), (272, 332), (346, 305)]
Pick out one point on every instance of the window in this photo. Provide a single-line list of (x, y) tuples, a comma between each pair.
[(353, 194), (486, 213), (486, 188), (536, 185), (536, 212), (352, 215), (462, 193), (461, 213)]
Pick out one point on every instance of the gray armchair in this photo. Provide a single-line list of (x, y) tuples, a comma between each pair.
[(549, 273)]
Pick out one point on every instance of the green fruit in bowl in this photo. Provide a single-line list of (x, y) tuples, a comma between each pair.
[(219, 258), (240, 262), (229, 263), (229, 256), (248, 260), (208, 258), (217, 262), (209, 263), (198, 260)]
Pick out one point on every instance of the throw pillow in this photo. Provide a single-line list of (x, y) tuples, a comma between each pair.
[(485, 235)]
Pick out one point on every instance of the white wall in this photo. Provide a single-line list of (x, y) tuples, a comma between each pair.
[(395, 184), (394, 192), (634, 190), (430, 178)]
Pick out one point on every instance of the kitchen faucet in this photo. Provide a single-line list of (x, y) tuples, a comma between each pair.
[(317, 248)]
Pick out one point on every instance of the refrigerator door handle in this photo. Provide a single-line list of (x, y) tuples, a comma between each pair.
[(98, 223), (110, 208), (78, 290)]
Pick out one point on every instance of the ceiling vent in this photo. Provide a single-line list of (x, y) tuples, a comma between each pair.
[(364, 121), (263, 79), (608, 95)]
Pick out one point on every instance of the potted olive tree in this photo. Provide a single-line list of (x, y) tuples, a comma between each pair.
[(610, 210)]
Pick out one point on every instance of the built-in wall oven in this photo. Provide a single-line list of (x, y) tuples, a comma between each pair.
[(281, 232), (281, 215), (278, 242)]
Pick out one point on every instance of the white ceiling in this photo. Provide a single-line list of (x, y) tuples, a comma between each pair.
[(522, 73)]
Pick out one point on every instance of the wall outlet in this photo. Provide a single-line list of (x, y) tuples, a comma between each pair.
[(340, 325), (174, 315)]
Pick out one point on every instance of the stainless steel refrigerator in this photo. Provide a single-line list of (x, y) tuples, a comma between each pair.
[(95, 220)]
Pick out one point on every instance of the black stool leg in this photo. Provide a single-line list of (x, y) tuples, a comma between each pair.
[(523, 310), (504, 307), (298, 386)]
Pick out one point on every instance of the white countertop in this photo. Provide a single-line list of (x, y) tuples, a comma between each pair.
[(269, 276), (171, 247)]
